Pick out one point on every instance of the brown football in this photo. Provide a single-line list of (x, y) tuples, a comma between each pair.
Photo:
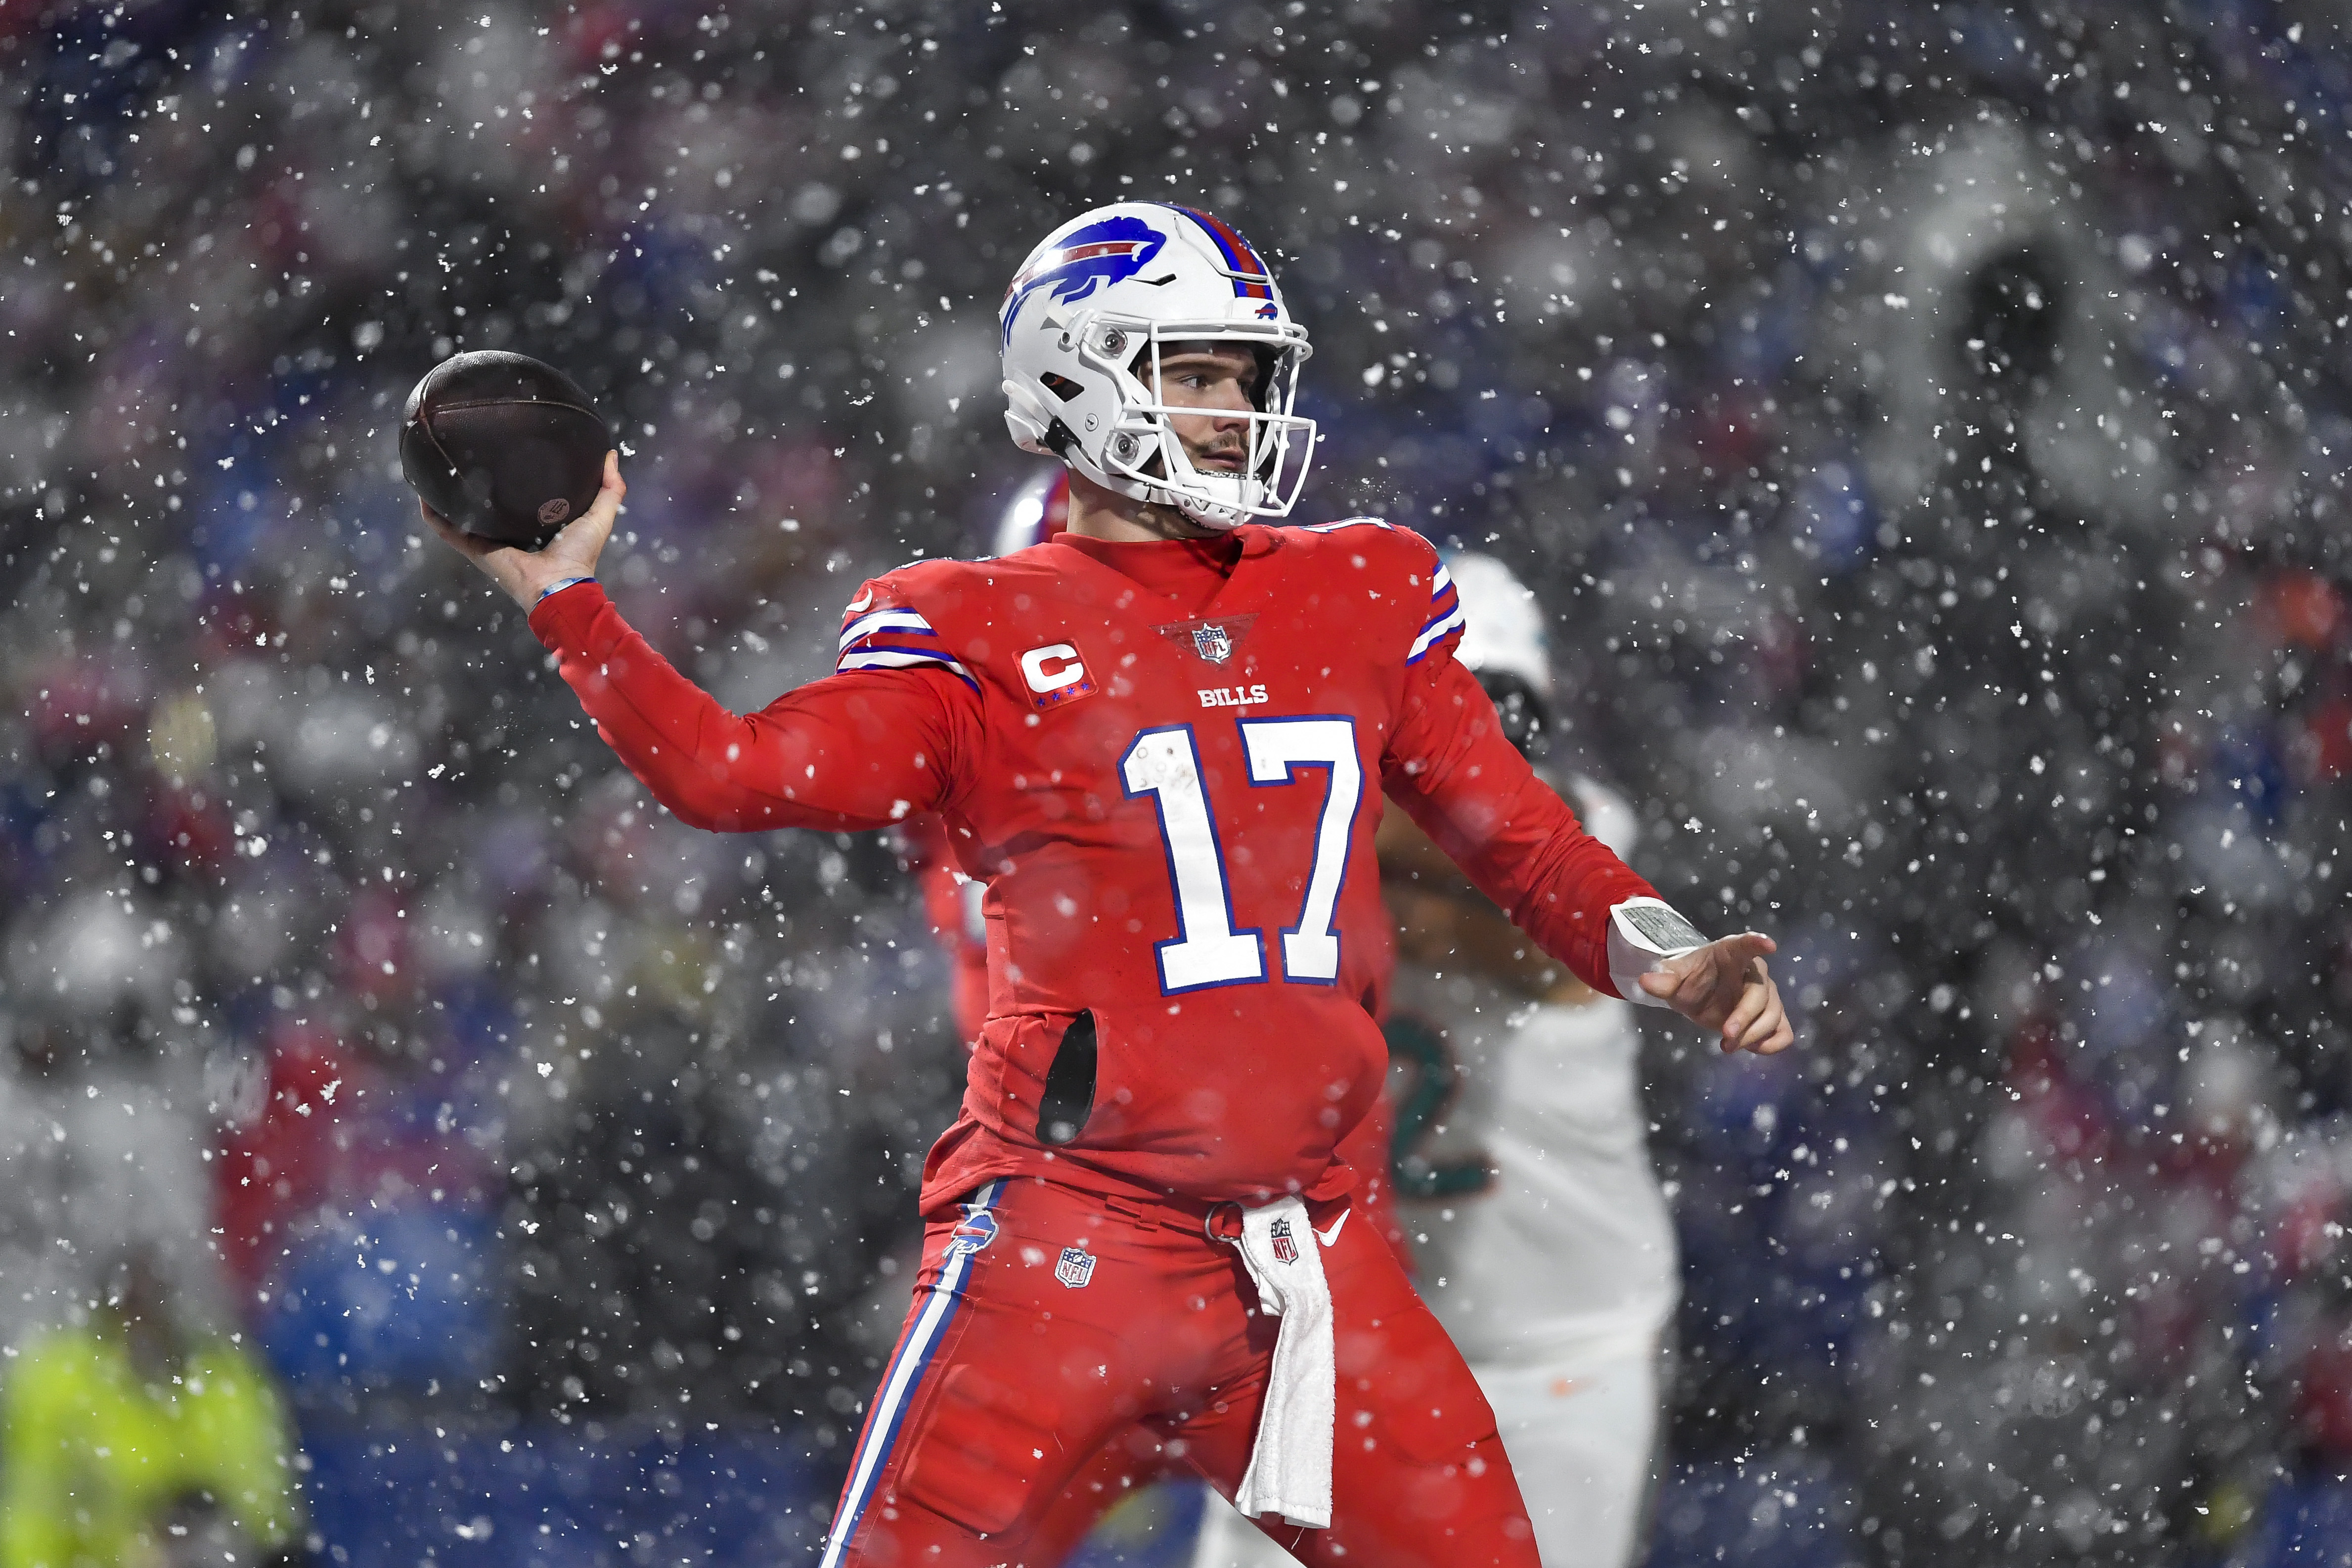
[(504, 447)]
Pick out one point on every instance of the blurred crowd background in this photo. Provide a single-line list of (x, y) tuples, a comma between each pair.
[(1926, 424)]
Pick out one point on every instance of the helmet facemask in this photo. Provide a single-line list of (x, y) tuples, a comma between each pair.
[(1144, 457)]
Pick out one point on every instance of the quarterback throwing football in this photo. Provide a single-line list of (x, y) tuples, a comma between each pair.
[(1161, 738)]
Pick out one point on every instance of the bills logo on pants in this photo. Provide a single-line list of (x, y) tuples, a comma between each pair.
[(974, 1232)]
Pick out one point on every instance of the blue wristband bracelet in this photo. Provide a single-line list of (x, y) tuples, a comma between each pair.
[(554, 588)]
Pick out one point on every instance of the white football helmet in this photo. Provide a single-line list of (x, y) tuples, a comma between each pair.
[(1503, 644), (1504, 626), (1084, 322), (1040, 508)]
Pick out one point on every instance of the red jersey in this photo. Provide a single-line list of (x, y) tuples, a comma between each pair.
[(1165, 760), (955, 905), (952, 902)]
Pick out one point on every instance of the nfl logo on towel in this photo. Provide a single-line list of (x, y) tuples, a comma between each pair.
[(1077, 1267), (1284, 1248), (1211, 643)]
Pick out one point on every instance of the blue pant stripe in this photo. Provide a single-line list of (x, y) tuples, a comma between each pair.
[(900, 1381)]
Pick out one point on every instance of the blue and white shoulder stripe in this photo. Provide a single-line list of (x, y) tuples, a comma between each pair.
[(1444, 615), (896, 639)]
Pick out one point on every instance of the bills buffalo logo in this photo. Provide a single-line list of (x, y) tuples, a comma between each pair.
[(972, 1232), (1284, 1248), (1077, 1268), (1111, 251)]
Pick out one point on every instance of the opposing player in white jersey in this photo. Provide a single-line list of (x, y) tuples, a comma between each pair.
[(1523, 1177)]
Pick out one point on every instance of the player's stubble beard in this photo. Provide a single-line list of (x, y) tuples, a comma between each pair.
[(1205, 457), (1164, 522)]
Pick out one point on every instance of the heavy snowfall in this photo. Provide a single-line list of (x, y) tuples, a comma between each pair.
[(1924, 424)]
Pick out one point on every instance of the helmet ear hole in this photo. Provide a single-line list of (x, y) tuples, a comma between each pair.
[(1026, 419)]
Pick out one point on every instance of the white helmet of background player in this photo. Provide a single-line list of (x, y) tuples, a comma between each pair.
[(1502, 643), (1084, 323), (1040, 508)]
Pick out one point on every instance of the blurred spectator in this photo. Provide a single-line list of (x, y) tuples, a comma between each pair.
[(140, 1439), (100, 1158)]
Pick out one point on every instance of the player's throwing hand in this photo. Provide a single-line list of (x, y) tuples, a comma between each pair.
[(569, 557), (1726, 985)]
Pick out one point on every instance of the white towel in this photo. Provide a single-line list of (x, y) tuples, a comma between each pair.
[(1289, 1470)]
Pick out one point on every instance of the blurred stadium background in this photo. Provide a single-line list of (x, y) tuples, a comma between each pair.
[(1926, 422)]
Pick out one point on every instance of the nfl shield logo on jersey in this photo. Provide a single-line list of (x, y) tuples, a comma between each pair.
[(1284, 1248), (1211, 642), (1076, 1268)]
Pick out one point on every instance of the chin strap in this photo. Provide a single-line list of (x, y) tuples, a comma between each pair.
[(1221, 517)]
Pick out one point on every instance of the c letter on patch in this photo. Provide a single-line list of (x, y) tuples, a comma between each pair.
[(1055, 675)]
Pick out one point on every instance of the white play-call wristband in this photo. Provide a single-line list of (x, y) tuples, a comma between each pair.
[(1642, 934)]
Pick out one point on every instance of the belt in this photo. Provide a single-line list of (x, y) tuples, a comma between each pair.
[(1218, 1219)]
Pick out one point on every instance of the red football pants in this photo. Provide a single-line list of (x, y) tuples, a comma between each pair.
[(1048, 1322), (1134, 1459)]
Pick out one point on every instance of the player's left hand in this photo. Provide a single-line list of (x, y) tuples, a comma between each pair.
[(1726, 986)]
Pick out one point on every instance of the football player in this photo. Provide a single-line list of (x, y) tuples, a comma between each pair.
[(1127, 1467), (1522, 1170), (1159, 739)]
